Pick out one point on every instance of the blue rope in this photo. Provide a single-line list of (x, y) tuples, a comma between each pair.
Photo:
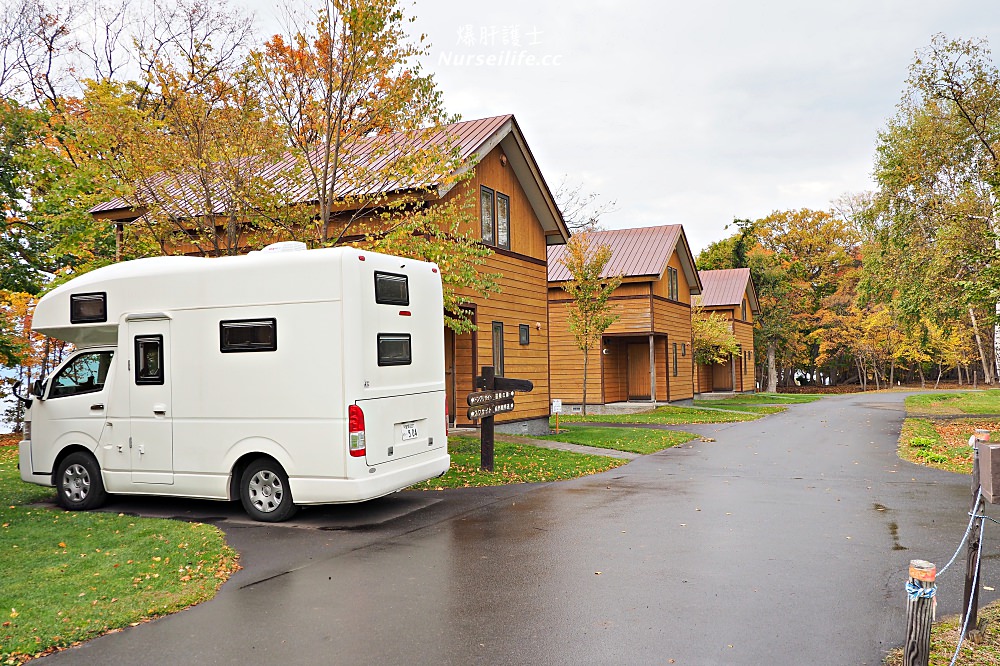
[(917, 592)]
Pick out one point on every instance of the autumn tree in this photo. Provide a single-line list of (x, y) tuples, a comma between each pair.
[(361, 117), (712, 337), (589, 312)]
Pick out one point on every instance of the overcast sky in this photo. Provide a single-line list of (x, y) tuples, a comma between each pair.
[(696, 112)]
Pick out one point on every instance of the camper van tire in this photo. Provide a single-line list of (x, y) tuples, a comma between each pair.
[(265, 493), (79, 486)]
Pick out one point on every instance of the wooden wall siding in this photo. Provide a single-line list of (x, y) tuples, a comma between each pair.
[(522, 300), (664, 381), (633, 316), (566, 362), (661, 287), (744, 337), (674, 319), (632, 289), (464, 372), (703, 378), (526, 234)]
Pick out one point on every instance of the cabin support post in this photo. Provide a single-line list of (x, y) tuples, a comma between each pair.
[(652, 369), (487, 428)]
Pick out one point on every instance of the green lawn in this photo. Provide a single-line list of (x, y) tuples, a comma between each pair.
[(661, 415), (71, 576), (944, 404), (513, 463), (634, 440), (938, 444)]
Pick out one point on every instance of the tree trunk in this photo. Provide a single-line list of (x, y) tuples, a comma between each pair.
[(922, 382), (892, 373), (586, 358), (772, 371), (987, 367), (938, 380)]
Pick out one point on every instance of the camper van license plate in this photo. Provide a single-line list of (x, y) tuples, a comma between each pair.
[(409, 431)]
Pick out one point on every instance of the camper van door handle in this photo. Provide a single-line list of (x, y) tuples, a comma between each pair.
[(160, 410), (97, 406)]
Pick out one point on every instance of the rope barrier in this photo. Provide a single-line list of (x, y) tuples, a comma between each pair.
[(916, 592), (968, 529), (972, 597)]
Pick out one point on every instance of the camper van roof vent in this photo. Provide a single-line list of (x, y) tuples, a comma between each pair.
[(285, 246)]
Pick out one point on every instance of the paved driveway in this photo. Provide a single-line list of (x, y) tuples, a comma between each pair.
[(785, 541)]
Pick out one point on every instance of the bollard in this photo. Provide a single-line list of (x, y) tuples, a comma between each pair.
[(920, 591)]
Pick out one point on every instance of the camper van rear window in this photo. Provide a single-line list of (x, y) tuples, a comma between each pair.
[(394, 349), (248, 335), (391, 289), (88, 308)]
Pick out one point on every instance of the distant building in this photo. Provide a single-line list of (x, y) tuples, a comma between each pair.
[(730, 292), (646, 355)]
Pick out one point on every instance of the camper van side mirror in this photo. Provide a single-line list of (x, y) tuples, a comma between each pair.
[(26, 399), (37, 388)]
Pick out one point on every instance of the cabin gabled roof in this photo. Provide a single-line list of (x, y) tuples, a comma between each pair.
[(728, 287), (473, 139), (635, 253)]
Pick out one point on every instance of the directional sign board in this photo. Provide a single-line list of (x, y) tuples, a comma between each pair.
[(483, 411), (485, 397)]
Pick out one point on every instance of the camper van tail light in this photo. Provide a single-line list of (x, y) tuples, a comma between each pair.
[(27, 431), (446, 419), (405, 313), (356, 426)]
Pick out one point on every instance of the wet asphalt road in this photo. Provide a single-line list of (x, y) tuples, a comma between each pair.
[(785, 541)]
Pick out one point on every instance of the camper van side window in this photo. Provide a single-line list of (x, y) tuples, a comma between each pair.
[(394, 349), (391, 289), (248, 335), (84, 374), (88, 308), (148, 359)]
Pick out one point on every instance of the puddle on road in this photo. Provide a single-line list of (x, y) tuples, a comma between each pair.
[(893, 527)]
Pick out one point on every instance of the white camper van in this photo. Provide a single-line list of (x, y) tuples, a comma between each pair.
[(280, 378)]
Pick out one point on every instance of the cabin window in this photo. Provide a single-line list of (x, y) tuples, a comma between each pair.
[(148, 359), (684, 349), (248, 335), (88, 308), (743, 309), (503, 221), (523, 334), (486, 214), (673, 292), (86, 373), (394, 349), (391, 289), (494, 215), (675, 359), (498, 348)]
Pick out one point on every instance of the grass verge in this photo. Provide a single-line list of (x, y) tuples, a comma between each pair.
[(71, 576), (760, 399), (513, 463), (944, 638), (661, 416), (954, 404), (634, 440)]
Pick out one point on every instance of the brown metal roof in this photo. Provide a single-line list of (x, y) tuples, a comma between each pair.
[(368, 155), (727, 286), (642, 252)]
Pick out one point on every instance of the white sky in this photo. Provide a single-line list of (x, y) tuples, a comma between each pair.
[(691, 113)]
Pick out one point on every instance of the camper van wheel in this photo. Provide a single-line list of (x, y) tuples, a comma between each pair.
[(78, 483), (265, 493)]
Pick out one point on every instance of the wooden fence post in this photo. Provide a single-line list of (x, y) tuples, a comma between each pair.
[(919, 613)]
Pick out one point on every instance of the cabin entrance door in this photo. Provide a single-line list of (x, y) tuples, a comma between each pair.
[(638, 372), (151, 438)]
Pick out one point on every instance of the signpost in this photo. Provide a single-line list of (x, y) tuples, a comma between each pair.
[(557, 410), (497, 397)]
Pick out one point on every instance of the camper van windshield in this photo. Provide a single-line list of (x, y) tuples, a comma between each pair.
[(84, 374)]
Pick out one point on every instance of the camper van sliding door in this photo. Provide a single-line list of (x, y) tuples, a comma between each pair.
[(151, 439)]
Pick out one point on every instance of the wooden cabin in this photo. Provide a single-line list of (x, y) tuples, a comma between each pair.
[(646, 354), (729, 292), (518, 219)]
